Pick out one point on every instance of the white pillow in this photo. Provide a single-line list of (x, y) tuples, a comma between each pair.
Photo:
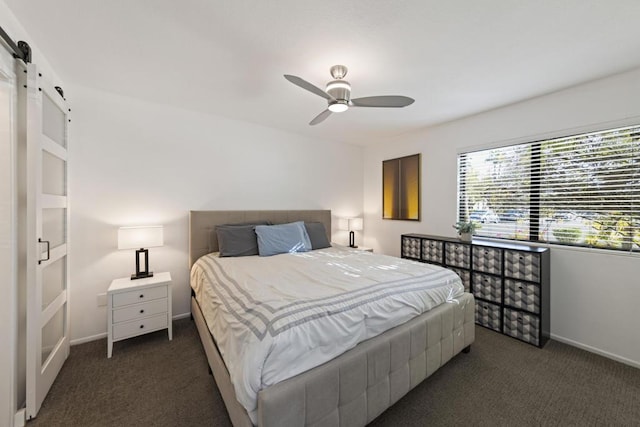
[(282, 238)]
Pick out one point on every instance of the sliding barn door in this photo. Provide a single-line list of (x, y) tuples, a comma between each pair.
[(47, 225), (8, 238)]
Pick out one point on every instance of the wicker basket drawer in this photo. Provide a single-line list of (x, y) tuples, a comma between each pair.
[(465, 275), (410, 247), (432, 251), (488, 314), (522, 265), (522, 295), (457, 254), (487, 287), (525, 327), (487, 260)]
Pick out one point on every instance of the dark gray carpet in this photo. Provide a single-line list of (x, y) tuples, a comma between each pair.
[(153, 382)]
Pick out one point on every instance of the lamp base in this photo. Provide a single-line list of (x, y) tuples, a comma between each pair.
[(141, 275), (352, 240)]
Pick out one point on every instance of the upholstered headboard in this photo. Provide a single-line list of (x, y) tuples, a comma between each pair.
[(202, 224)]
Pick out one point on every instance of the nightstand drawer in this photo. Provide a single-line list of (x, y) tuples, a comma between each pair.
[(138, 311), (523, 326), (522, 295), (142, 326), (487, 287), (140, 295)]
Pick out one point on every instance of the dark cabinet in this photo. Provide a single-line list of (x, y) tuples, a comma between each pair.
[(509, 281)]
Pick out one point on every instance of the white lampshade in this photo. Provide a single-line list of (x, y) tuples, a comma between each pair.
[(140, 237), (355, 224), (343, 224)]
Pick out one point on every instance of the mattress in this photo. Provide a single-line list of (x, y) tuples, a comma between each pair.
[(275, 317)]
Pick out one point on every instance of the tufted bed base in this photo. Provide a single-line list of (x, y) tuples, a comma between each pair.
[(357, 386)]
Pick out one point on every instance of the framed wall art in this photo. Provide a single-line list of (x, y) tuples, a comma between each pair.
[(401, 188)]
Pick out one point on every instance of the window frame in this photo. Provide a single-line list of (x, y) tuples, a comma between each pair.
[(535, 188)]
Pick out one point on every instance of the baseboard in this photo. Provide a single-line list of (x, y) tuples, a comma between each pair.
[(104, 334), (20, 418), (88, 339), (181, 316), (597, 351)]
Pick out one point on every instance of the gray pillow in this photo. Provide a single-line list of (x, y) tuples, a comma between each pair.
[(282, 238), (237, 239), (317, 235)]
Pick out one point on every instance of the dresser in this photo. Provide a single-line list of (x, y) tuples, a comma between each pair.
[(137, 307), (510, 281)]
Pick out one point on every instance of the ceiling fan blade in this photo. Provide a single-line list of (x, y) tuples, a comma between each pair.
[(320, 117), (390, 101), (308, 86)]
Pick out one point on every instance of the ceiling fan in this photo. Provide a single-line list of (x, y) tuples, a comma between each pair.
[(338, 95)]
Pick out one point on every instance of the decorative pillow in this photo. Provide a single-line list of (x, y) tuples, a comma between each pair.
[(237, 239), (317, 235), (282, 238)]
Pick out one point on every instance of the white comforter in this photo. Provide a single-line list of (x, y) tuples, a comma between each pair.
[(275, 317)]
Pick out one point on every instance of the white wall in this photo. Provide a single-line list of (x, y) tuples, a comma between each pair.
[(133, 162), (594, 294)]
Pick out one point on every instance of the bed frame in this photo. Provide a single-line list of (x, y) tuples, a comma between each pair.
[(357, 386)]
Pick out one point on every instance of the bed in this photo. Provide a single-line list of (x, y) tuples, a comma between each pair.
[(351, 388)]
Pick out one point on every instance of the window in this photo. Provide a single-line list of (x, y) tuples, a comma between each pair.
[(582, 190)]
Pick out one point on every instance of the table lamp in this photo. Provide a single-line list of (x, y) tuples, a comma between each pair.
[(140, 238), (355, 224)]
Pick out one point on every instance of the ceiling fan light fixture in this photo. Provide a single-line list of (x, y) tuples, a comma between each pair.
[(339, 90), (338, 95), (338, 84), (338, 107)]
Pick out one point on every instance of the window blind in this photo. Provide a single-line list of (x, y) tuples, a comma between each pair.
[(581, 190)]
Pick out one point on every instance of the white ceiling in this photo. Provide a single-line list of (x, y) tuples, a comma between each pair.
[(455, 57)]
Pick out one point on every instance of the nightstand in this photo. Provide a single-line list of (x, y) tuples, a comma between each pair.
[(137, 307)]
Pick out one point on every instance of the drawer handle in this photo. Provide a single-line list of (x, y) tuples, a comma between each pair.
[(141, 326), (141, 311), (520, 287), (521, 257), (141, 295), (519, 319)]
